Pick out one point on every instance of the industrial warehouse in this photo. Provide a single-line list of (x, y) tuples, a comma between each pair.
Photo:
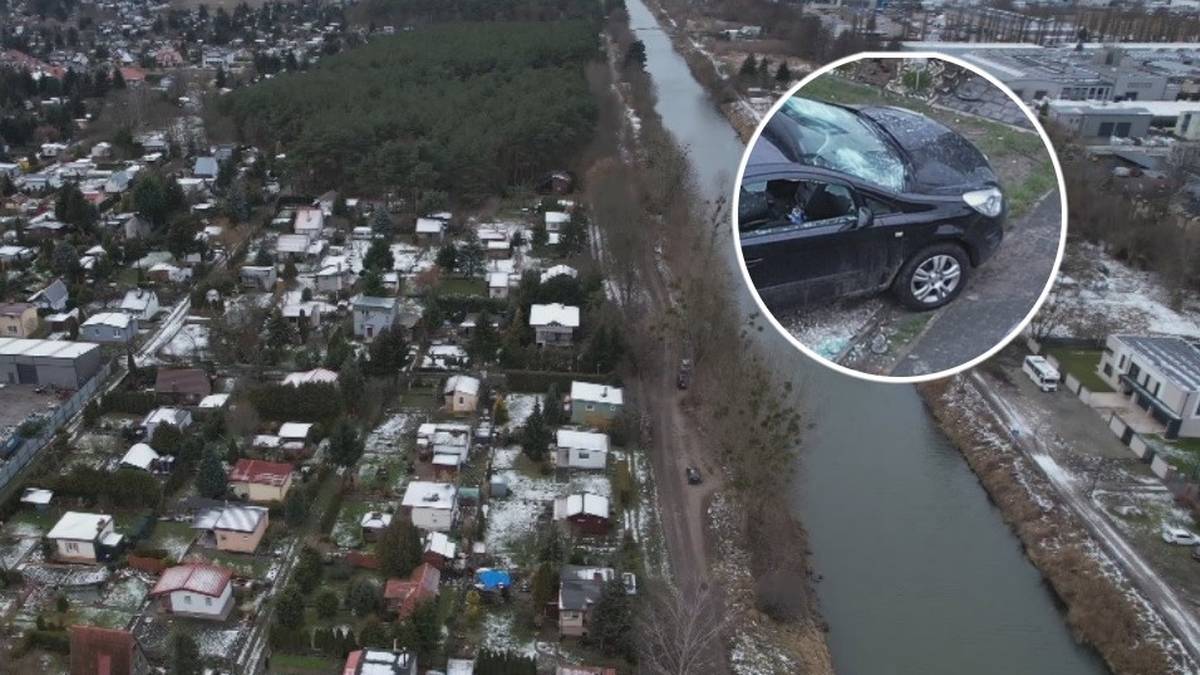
[(48, 362)]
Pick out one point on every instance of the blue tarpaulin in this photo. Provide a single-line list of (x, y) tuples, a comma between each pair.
[(488, 579)]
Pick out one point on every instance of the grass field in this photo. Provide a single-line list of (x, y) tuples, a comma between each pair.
[(1082, 364)]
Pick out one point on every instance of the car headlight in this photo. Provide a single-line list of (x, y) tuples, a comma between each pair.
[(989, 201)]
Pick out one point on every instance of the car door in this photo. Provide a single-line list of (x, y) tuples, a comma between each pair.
[(804, 248)]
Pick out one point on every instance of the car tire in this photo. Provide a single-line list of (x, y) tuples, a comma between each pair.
[(932, 277)]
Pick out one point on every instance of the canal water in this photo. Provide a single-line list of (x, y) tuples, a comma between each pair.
[(919, 573)]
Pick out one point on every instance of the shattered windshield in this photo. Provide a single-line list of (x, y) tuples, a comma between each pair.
[(834, 138)]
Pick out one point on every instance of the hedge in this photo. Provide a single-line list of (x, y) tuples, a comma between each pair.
[(540, 380)]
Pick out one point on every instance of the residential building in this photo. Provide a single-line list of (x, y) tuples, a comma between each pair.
[(431, 506), (240, 528), (260, 278), (181, 386), (18, 319), (195, 590), (497, 284), (141, 456), (373, 523), (461, 394), (553, 324), (430, 230), (136, 227), (257, 480), (576, 449), (559, 271), (50, 362), (84, 537), (595, 405), (439, 550), (380, 662), (109, 328), (585, 513), (309, 221), (403, 596), (579, 589), (141, 303), (372, 314), (1160, 374), (52, 298), (176, 417), (205, 167), (106, 651)]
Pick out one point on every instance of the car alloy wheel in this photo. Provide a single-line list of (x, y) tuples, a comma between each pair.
[(935, 279)]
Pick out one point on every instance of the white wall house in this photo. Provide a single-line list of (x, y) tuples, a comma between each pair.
[(83, 537), (372, 314), (1160, 374), (196, 590), (431, 506), (140, 303), (576, 449), (553, 324), (109, 328)]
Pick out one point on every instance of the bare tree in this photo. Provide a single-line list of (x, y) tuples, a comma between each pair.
[(681, 631)]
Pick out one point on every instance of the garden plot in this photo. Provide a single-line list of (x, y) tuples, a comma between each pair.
[(172, 537), (520, 406), (386, 452), (347, 531), (190, 343), (515, 517), (385, 439), (95, 449)]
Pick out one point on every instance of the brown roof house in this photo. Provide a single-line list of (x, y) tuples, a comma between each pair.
[(106, 651), (403, 596), (182, 386)]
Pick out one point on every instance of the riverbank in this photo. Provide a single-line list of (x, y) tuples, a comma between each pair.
[(1102, 608), (748, 547)]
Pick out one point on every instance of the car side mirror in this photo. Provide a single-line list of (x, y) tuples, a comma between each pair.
[(865, 217)]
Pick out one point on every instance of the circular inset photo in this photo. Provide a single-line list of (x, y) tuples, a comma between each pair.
[(900, 217)]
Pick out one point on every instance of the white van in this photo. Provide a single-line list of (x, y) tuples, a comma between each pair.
[(1041, 372)]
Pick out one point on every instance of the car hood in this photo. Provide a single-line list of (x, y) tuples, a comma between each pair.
[(941, 160)]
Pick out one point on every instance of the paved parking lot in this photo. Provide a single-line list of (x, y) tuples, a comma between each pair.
[(17, 401)]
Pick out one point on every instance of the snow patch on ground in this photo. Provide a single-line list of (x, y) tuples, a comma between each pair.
[(520, 406), (191, 342)]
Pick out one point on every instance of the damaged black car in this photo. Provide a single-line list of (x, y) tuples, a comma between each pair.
[(838, 201)]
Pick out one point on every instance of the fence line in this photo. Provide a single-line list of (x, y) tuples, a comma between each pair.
[(29, 447)]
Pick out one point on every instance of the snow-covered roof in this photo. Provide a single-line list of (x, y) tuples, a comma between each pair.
[(79, 526), (138, 300), (376, 520), (195, 578), (213, 401), (582, 504), (597, 393), (1177, 358), (559, 271), (464, 384), (497, 279), (439, 543), (38, 496), (240, 518), (292, 243), (308, 219), (173, 416), (140, 456), (555, 313), (310, 376), (555, 218), (449, 459), (114, 319), (293, 430), (430, 495), (583, 440), (430, 226)]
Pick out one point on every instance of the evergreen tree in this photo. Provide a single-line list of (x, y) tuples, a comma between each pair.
[(373, 284), (471, 256), (295, 507), (540, 237), (636, 54), (289, 610), (749, 66), (345, 444), (553, 413), (426, 629), (363, 597), (484, 340), (350, 379), (185, 654), (783, 75), (535, 438), (545, 586), (326, 603), (447, 258), (400, 548), (211, 481), (379, 256), (381, 224), (612, 621)]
